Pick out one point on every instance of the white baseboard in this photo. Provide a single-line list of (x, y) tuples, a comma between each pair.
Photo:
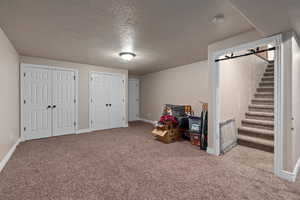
[(290, 176), (211, 151), (6, 158), (296, 169), (85, 130), (147, 121)]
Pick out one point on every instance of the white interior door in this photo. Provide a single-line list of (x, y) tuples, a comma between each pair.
[(63, 102), (133, 100), (99, 98), (116, 104), (37, 103)]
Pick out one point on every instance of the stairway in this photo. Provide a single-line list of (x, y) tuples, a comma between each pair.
[(257, 130)]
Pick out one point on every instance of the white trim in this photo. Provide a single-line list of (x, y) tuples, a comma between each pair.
[(8, 155), (296, 169), (147, 121), (85, 130), (211, 151), (289, 176), (22, 66), (125, 97), (278, 147)]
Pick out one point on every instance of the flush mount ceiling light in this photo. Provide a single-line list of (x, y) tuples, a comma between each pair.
[(218, 19), (127, 56)]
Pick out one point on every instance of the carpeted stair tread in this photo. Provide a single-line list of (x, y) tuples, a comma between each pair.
[(260, 114), (264, 95), (256, 140), (269, 78), (256, 130), (257, 143), (261, 106), (269, 74), (260, 122), (265, 89), (266, 83), (262, 101)]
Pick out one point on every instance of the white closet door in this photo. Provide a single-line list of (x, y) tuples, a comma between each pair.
[(63, 102), (133, 99), (116, 101), (37, 101), (100, 85)]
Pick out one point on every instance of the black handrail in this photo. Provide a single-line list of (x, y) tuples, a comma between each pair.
[(246, 54)]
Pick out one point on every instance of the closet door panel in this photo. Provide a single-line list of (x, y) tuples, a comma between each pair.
[(100, 85), (63, 102), (133, 100), (37, 98), (116, 101)]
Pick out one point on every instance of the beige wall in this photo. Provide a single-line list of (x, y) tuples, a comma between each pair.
[(181, 85), (227, 43), (287, 102), (239, 79), (296, 98), (84, 70), (9, 101)]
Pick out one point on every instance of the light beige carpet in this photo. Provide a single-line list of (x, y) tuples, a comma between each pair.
[(129, 164)]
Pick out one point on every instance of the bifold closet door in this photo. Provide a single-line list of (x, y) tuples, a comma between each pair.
[(37, 103), (116, 101), (107, 101), (99, 92), (63, 102), (133, 99)]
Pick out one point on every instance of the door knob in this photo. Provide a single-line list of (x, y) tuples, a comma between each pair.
[(109, 105), (48, 106), (54, 106), (106, 105)]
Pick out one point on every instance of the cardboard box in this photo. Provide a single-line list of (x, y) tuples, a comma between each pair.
[(167, 133)]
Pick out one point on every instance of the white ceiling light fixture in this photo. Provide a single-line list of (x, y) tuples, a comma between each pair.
[(127, 56), (218, 19)]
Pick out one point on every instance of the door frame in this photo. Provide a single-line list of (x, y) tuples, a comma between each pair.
[(125, 121), (278, 97), (22, 71), (137, 80)]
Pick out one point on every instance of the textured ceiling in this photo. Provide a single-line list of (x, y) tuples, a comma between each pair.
[(270, 17), (163, 33)]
